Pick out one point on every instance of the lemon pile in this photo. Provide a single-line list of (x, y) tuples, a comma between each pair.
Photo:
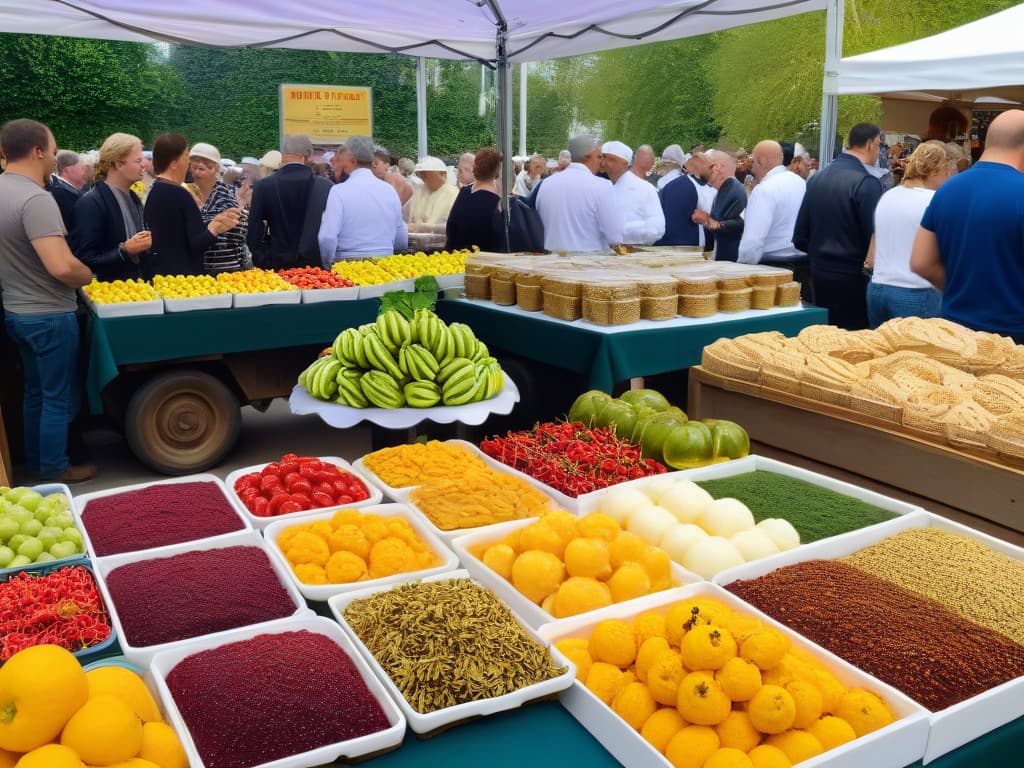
[(402, 267), (187, 286), (254, 281), (709, 686), (66, 716), (569, 565), (119, 291)]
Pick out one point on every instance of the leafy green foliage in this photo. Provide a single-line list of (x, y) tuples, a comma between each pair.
[(407, 302)]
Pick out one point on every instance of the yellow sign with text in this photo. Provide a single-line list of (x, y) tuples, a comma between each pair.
[(328, 114)]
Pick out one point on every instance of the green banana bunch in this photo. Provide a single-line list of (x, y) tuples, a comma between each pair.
[(382, 390), (417, 363), (422, 394)]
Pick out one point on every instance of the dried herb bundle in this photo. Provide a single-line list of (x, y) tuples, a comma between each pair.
[(447, 643)]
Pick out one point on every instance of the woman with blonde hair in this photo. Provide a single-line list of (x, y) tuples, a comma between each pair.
[(108, 233), (894, 290)]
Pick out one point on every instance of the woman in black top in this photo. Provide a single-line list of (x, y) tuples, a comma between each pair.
[(180, 238), (475, 218)]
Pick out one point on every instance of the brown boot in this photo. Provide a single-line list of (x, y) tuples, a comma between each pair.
[(76, 473)]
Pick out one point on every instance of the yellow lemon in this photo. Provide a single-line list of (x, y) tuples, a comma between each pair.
[(499, 558), (647, 653), (612, 641), (634, 704), (161, 745), (40, 688), (580, 594), (8, 759), (105, 730), (660, 727), (767, 756), (798, 745), (629, 580), (127, 686), (588, 557), (737, 732), (729, 757), (50, 756), (832, 731), (692, 746)]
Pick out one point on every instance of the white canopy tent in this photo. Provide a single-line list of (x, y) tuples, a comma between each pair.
[(974, 65)]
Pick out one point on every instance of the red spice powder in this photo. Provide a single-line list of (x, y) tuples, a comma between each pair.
[(196, 593), (910, 642), (158, 516), (271, 697)]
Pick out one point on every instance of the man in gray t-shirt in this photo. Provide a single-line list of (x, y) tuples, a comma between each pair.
[(38, 278)]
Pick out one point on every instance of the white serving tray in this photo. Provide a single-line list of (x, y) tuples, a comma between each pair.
[(244, 300), (318, 295), (449, 562), (45, 489), (897, 744), (446, 282), (956, 725), (192, 303), (342, 416), (142, 655), (376, 291), (432, 721), (128, 308), (260, 523), (534, 615), (390, 738), (85, 498), (400, 495)]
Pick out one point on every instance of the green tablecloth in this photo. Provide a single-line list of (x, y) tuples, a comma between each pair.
[(153, 338), (546, 736), (610, 358)]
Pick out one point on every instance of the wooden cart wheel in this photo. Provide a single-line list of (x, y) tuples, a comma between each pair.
[(182, 421)]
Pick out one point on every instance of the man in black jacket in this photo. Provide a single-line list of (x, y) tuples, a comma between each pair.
[(725, 222), (286, 209), (66, 183), (835, 224)]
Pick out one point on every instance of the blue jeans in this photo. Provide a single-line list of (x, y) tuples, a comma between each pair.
[(49, 352), (888, 301)]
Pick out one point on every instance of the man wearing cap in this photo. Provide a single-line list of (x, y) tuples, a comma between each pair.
[(363, 216), (670, 165), (431, 202), (286, 207), (771, 212), (644, 221), (579, 210)]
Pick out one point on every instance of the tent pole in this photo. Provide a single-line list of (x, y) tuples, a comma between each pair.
[(523, 72), (421, 107), (504, 107), (829, 94)]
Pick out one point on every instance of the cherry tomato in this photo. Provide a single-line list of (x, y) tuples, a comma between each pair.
[(269, 483), (301, 486), (271, 469), (288, 466), (326, 475), (343, 499), (321, 499), (260, 507), (277, 501), (308, 470), (340, 486), (288, 507)]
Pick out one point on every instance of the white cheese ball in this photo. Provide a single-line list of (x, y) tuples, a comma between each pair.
[(651, 523), (726, 517), (754, 544), (781, 532), (656, 486), (620, 502), (686, 500), (679, 538), (709, 556)]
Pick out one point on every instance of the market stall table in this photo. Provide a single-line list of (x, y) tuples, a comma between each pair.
[(608, 355)]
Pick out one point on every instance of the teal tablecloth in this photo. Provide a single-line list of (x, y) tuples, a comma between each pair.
[(608, 358), (153, 338)]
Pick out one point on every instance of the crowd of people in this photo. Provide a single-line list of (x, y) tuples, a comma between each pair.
[(871, 236)]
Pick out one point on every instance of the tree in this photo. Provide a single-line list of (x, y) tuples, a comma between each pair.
[(84, 89)]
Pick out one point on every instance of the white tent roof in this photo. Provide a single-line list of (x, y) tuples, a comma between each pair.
[(983, 58), (453, 29)]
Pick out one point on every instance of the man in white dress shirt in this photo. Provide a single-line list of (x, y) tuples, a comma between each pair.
[(579, 210), (771, 210), (363, 216), (641, 208)]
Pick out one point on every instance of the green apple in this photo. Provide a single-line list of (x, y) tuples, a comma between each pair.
[(45, 557), (63, 549), (31, 548), (50, 536), (19, 514), (75, 537), (29, 499), (57, 500), (4, 505), (20, 561), (31, 527), (16, 541), (6, 555), (64, 520), (8, 527)]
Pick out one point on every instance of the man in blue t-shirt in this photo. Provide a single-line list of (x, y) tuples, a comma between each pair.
[(970, 244)]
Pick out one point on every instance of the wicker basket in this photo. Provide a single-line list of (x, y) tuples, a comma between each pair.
[(824, 394), (478, 286), (558, 286), (502, 273), (530, 297), (657, 289), (659, 308), (715, 360), (620, 312), (779, 380), (703, 305), (610, 291), (876, 408), (562, 307), (764, 279), (503, 291), (528, 280), (697, 286), (733, 283), (734, 300), (763, 297), (777, 276), (788, 294)]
